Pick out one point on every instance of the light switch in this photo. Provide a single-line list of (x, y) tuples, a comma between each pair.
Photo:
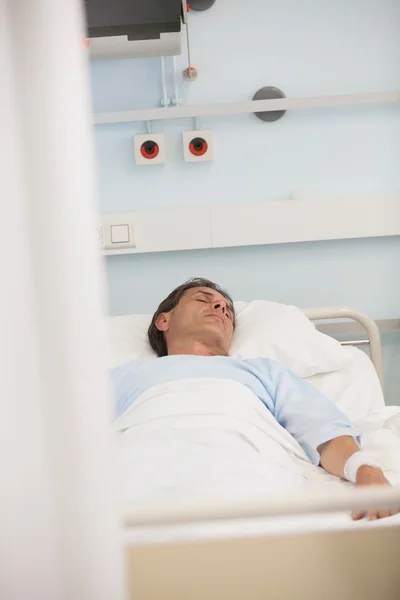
[(120, 234), (119, 230)]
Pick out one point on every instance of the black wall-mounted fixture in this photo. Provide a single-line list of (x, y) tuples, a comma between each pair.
[(201, 4), (114, 26)]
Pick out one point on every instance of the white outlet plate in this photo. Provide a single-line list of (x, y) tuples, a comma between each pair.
[(198, 146), (150, 149), (119, 231)]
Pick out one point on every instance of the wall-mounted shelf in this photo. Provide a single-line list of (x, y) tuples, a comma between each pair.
[(261, 223), (250, 106)]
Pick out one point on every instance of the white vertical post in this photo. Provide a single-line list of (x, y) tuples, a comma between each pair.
[(60, 527), (176, 100), (28, 548), (165, 101)]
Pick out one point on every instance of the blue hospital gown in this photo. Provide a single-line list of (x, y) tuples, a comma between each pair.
[(309, 416)]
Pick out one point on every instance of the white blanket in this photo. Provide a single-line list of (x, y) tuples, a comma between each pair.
[(198, 439)]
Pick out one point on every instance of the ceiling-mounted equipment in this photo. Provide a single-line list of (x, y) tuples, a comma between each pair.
[(269, 93), (126, 29), (201, 4)]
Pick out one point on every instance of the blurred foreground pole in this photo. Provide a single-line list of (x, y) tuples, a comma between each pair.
[(59, 526)]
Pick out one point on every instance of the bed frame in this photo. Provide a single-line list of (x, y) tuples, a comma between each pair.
[(367, 323), (337, 565)]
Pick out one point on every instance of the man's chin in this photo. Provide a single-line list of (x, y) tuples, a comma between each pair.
[(213, 335)]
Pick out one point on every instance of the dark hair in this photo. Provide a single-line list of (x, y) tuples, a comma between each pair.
[(156, 337)]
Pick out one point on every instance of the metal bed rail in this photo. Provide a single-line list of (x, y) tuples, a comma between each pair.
[(279, 505), (367, 322)]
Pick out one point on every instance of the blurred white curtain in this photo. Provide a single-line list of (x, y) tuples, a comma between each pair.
[(59, 528)]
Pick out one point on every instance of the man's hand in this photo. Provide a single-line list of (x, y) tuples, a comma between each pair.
[(335, 453), (372, 476)]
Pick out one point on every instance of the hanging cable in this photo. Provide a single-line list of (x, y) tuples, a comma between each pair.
[(187, 38), (190, 73)]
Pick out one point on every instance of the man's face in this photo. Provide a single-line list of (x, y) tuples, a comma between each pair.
[(201, 314)]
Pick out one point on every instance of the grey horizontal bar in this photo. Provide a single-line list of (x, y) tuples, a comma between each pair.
[(250, 106), (385, 325), (356, 343), (301, 503)]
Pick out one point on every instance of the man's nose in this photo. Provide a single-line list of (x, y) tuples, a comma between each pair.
[(220, 306)]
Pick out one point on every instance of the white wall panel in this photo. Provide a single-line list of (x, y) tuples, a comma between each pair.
[(262, 223), (305, 221)]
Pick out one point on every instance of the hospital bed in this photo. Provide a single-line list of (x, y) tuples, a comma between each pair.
[(237, 551)]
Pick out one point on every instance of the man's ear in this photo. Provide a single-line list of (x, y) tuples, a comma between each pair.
[(162, 322)]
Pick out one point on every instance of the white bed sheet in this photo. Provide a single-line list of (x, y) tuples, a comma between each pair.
[(357, 392)]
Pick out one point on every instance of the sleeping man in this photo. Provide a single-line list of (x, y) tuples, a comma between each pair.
[(196, 423)]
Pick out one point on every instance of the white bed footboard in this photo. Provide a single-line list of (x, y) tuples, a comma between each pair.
[(371, 328)]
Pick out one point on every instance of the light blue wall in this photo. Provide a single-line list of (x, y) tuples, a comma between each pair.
[(361, 273), (305, 48)]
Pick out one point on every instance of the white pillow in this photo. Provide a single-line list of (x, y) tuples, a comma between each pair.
[(356, 390), (285, 334), (264, 329), (128, 339)]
